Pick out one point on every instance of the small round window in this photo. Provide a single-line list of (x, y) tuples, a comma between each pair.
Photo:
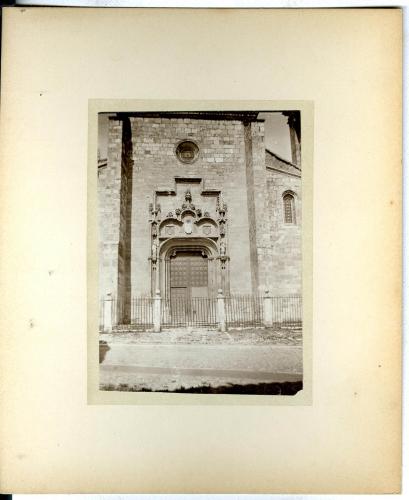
[(187, 151)]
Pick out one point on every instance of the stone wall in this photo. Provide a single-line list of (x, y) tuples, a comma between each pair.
[(109, 200), (259, 234), (251, 207), (285, 238), (115, 205), (220, 165), (126, 202), (264, 251)]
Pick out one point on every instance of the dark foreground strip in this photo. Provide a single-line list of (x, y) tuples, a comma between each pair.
[(272, 389)]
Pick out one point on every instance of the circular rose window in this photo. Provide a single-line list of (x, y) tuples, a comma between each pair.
[(187, 151)]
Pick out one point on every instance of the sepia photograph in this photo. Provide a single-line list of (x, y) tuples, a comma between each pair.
[(200, 252)]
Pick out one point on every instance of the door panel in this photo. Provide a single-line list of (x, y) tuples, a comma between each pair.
[(179, 304), (188, 284), (199, 291), (190, 270), (199, 305)]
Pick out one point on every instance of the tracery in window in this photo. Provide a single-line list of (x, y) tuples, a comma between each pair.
[(289, 208)]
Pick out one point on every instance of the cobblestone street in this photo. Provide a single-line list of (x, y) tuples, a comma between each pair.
[(187, 358)]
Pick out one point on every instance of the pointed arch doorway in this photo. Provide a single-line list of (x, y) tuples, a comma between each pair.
[(189, 284)]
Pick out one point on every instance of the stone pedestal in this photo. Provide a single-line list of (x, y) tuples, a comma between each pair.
[(268, 309), (221, 311), (157, 311), (108, 310)]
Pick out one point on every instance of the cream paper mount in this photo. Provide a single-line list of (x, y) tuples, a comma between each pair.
[(347, 62)]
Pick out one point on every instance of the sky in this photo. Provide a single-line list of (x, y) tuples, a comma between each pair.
[(277, 135)]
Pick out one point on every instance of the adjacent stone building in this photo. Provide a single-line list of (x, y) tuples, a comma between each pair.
[(190, 203)]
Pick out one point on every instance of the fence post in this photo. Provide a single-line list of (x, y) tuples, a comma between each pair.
[(268, 309), (108, 304), (221, 312), (156, 311)]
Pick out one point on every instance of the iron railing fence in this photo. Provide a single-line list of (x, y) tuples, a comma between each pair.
[(138, 313), (194, 311), (244, 310), (287, 311), (142, 312)]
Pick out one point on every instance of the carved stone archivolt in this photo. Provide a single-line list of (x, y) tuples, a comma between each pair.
[(189, 224)]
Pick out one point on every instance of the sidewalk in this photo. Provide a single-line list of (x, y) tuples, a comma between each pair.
[(194, 358)]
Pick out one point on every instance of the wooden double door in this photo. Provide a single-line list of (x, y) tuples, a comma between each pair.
[(189, 289)]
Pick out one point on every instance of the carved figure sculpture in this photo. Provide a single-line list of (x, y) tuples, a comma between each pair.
[(154, 251)]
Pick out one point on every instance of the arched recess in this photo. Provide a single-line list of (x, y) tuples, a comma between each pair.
[(289, 211), (173, 247)]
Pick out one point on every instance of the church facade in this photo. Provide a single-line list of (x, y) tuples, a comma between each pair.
[(193, 203)]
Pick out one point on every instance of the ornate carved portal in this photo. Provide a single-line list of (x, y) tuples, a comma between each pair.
[(189, 230)]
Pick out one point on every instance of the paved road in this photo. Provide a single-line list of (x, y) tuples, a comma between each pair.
[(168, 366)]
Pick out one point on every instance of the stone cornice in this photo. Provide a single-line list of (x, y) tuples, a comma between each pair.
[(246, 116)]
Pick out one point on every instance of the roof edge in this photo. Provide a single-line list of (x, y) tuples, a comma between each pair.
[(283, 159)]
